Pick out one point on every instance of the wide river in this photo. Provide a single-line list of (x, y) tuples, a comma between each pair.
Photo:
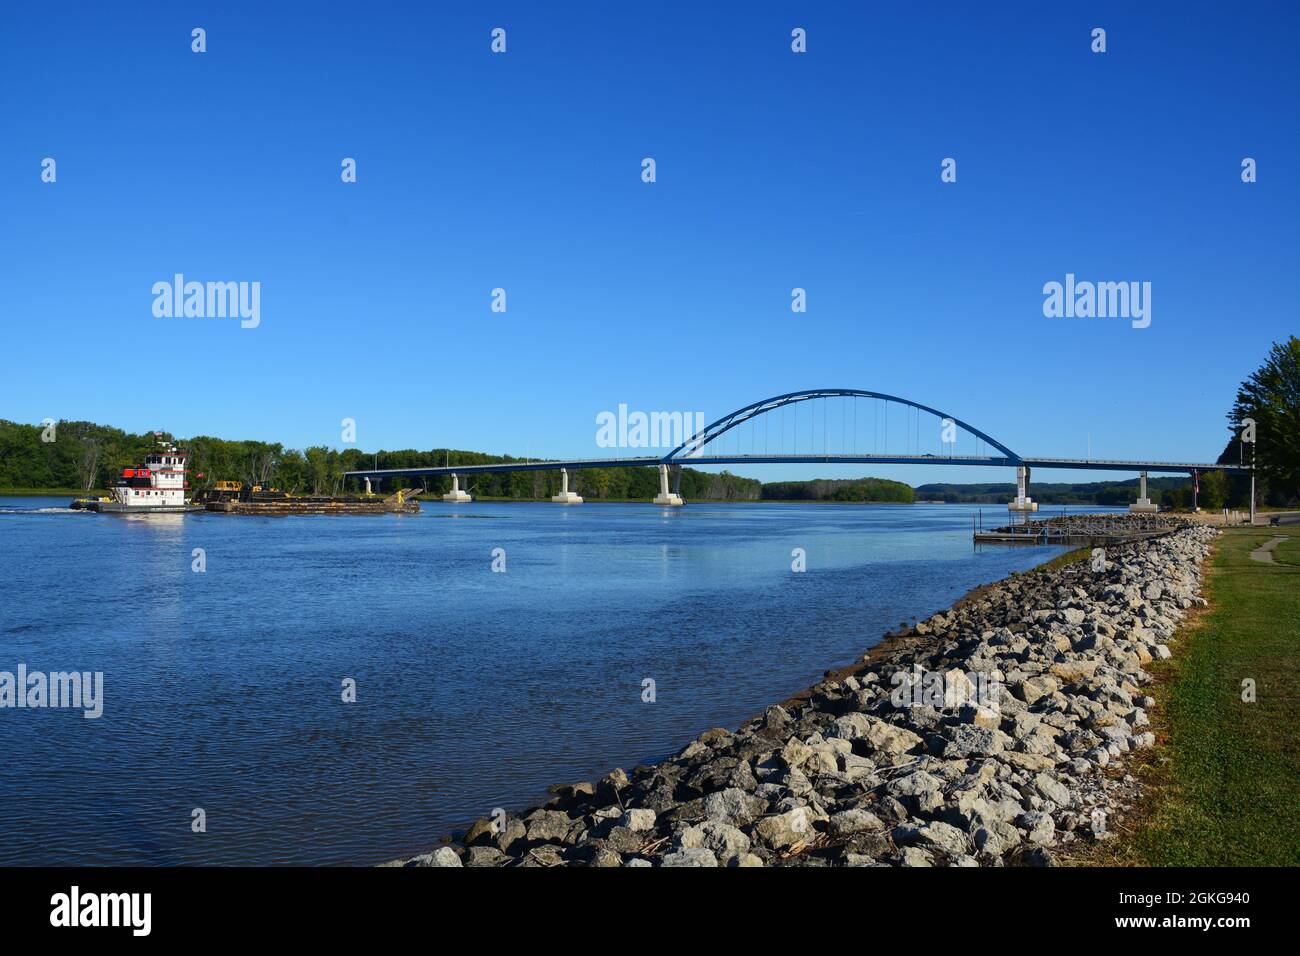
[(223, 690)]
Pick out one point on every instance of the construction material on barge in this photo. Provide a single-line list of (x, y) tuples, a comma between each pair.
[(1092, 530), (257, 502)]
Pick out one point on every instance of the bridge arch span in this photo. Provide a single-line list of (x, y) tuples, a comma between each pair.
[(692, 445)]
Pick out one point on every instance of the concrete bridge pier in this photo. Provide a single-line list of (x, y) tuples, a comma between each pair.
[(1143, 504), (566, 497), (1022, 500), (456, 495), (666, 497)]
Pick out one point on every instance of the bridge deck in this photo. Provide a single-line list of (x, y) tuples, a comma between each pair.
[(1081, 464)]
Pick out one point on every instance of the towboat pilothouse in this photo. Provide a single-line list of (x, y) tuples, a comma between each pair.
[(156, 486)]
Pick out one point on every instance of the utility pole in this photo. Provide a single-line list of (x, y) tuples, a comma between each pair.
[(1252, 484), (1248, 435)]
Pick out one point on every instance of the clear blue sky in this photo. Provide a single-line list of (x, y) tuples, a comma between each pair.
[(522, 171)]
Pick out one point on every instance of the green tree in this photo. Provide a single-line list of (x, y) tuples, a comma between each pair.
[(1214, 491), (322, 469), (1271, 397)]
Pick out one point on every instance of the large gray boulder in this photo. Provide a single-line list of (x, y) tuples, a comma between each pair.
[(443, 856), (879, 735), (733, 805), (783, 830), (697, 856), (970, 740)]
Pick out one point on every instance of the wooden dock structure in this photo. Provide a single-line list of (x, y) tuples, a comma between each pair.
[(1089, 530)]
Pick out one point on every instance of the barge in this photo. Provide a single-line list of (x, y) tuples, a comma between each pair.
[(256, 501), (159, 486)]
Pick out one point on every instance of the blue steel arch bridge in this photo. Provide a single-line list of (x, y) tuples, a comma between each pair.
[(738, 439)]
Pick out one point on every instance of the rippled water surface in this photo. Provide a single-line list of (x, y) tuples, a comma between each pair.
[(474, 689)]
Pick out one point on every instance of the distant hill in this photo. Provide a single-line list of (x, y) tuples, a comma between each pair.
[(831, 489)]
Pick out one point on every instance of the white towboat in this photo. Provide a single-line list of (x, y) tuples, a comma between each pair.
[(157, 486)]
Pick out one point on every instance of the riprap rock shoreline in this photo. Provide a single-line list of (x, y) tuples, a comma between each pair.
[(871, 768)]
